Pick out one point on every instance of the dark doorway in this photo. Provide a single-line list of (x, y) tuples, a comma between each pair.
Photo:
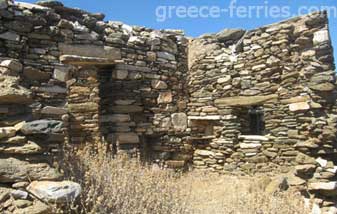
[(256, 120), (251, 119)]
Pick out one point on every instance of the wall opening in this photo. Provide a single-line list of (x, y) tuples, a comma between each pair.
[(252, 121)]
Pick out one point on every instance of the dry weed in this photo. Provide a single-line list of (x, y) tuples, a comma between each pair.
[(123, 186)]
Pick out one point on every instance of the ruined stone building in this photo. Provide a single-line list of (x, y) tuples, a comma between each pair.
[(240, 102)]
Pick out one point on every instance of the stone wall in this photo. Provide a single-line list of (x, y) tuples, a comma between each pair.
[(69, 77), (285, 69)]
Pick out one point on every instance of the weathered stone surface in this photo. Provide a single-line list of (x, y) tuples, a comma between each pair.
[(49, 3), (299, 106), (10, 36), (4, 4), (322, 87), (244, 101), (253, 138), (13, 170), (326, 188), (42, 127), (305, 170), (165, 97), (4, 194), (127, 138), (225, 79), (28, 148), (127, 109), (204, 153), (55, 89), (14, 140), (12, 93), (7, 132), (321, 37), (37, 208), (83, 107), (120, 74), (166, 55), (85, 60), (53, 110), (13, 65), (277, 185), (230, 34), (295, 181), (61, 73), (35, 74), (250, 145), (210, 117), (158, 84), (305, 159), (179, 121), (322, 162), (116, 118), (56, 192), (90, 51), (19, 194)]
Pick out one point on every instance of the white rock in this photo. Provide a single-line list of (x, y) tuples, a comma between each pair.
[(299, 106), (13, 65), (51, 191), (250, 145), (315, 209), (179, 121), (19, 194), (328, 186), (61, 73), (322, 162), (225, 79), (6, 132), (204, 153), (209, 117), (321, 37), (135, 39), (253, 137)]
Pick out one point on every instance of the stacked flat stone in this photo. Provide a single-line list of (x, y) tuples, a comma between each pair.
[(286, 68)]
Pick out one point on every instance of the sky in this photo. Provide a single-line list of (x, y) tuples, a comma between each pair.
[(150, 13)]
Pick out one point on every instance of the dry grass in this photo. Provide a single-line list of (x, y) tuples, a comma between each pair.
[(122, 186)]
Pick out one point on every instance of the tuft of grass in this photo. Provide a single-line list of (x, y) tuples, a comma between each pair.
[(126, 186)]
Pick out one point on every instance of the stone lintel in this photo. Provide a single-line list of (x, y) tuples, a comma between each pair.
[(83, 60), (245, 100), (95, 51), (210, 117)]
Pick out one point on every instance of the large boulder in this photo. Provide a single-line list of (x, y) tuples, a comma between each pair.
[(14, 170), (42, 127), (55, 192), (230, 35)]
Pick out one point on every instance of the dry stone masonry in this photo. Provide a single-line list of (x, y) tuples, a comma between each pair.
[(237, 102)]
